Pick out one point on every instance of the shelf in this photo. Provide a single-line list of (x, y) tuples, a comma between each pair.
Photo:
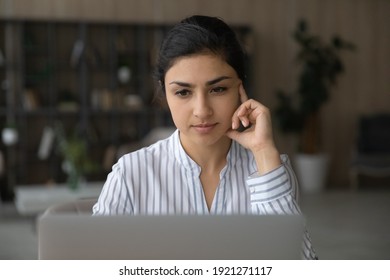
[(76, 63)]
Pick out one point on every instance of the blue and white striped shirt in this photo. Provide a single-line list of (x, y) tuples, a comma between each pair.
[(163, 180)]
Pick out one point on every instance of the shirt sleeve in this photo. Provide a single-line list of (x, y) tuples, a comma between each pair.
[(115, 196), (276, 193)]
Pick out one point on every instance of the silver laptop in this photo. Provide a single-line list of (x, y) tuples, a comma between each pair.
[(170, 237)]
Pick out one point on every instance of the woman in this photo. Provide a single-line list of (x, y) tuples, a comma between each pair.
[(209, 165)]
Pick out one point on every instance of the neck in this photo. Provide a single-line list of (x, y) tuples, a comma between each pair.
[(209, 157)]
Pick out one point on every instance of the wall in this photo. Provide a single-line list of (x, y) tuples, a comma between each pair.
[(364, 88)]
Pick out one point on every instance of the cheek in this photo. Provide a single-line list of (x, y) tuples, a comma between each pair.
[(230, 113), (177, 111), (231, 106), (170, 103)]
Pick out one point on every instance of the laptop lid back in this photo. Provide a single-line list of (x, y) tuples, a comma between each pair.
[(170, 237)]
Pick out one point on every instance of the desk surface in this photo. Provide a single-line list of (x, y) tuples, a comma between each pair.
[(35, 199)]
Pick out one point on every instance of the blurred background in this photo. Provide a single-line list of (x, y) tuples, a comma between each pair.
[(77, 92)]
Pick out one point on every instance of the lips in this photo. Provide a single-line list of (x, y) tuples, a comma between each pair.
[(204, 127)]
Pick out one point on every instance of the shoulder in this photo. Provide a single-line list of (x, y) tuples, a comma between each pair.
[(242, 154), (160, 148)]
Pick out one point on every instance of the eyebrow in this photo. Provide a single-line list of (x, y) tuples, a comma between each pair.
[(217, 80), (209, 83)]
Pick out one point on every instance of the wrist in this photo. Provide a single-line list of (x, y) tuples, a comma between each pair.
[(267, 159)]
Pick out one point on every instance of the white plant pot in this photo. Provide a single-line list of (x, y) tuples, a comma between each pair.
[(311, 171)]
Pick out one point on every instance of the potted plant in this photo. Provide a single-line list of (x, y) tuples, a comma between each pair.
[(76, 162), (299, 111)]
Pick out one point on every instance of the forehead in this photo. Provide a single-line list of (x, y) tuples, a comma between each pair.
[(199, 67)]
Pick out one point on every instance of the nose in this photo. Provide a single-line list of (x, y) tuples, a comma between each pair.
[(202, 107)]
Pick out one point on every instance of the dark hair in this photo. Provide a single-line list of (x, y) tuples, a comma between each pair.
[(200, 34)]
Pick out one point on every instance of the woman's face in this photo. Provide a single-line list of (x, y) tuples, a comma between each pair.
[(202, 93)]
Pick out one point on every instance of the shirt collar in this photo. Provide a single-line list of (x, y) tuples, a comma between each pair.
[(181, 155)]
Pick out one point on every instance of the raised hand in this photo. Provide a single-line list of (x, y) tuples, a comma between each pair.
[(258, 136)]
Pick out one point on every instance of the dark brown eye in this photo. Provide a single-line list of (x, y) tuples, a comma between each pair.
[(182, 93), (218, 90)]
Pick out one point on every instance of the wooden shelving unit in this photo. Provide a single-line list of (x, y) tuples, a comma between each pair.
[(93, 78)]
